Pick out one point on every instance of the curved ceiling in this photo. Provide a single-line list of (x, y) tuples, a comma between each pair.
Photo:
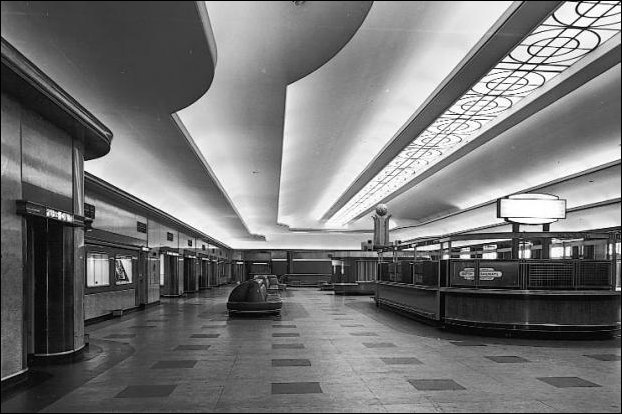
[(338, 118), (238, 124), (132, 64), (576, 133), (304, 100)]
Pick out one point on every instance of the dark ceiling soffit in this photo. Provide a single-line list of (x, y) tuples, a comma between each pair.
[(197, 152), (106, 188), (528, 190), (582, 72), (22, 79), (509, 30)]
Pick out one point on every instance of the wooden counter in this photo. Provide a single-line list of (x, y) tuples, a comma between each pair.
[(420, 301), (533, 310)]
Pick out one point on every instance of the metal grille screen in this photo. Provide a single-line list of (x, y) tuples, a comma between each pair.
[(594, 274), (550, 275)]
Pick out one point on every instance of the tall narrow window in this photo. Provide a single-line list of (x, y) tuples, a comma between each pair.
[(162, 258)]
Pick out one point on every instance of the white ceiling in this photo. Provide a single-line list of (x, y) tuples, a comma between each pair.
[(577, 133), (118, 62), (303, 98), (238, 124), (339, 117)]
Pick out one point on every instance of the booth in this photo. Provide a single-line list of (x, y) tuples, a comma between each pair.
[(517, 281)]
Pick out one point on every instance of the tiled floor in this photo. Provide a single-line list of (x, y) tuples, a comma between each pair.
[(309, 361)]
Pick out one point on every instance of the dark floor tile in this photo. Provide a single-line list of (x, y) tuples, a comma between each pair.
[(121, 336), (567, 382), (296, 388), (146, 391), (204, 335), (604, 357), (379, 344), (510, 359), (436, 385), (291, 363), (284, 326), (285, 334), (192, 347), (174, 364), (401, 361), (467, 343), (288, 346), (363, 334)]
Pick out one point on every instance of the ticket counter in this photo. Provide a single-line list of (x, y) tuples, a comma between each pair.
[(450, 287)]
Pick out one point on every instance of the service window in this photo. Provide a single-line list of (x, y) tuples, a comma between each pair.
[(123, 270), (97, 269)]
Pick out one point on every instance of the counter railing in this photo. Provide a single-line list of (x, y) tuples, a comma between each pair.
[(569, 295)]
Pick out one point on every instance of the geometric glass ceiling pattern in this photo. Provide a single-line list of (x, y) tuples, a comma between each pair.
[(573, 30)]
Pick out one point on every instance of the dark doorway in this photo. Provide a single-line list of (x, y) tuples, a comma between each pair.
[(49, 287), (141, 281)]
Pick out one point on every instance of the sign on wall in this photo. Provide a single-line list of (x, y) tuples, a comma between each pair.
[(531, 208), (34, 209), (499, 274)]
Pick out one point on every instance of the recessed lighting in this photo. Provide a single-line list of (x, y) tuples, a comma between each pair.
[(571, 32)]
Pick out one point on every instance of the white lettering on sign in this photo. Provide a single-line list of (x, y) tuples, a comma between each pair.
[(467, 273), (59, 215), (489, 273)]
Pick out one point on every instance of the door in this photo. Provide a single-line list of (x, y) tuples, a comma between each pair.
[(204, 274), (170, 277), (49, 295), (173, 276), (187, 275), (141, 281)]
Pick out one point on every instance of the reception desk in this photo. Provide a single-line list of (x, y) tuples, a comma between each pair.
[(532, 310), (418, 301), (568, 296)]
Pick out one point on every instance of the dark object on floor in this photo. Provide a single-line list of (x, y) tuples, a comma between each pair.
[(252, 297)]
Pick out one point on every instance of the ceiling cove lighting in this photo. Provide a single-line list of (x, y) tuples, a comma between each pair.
[(575, 29)]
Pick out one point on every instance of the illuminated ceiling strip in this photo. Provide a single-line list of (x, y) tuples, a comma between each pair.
[(575, 29)]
